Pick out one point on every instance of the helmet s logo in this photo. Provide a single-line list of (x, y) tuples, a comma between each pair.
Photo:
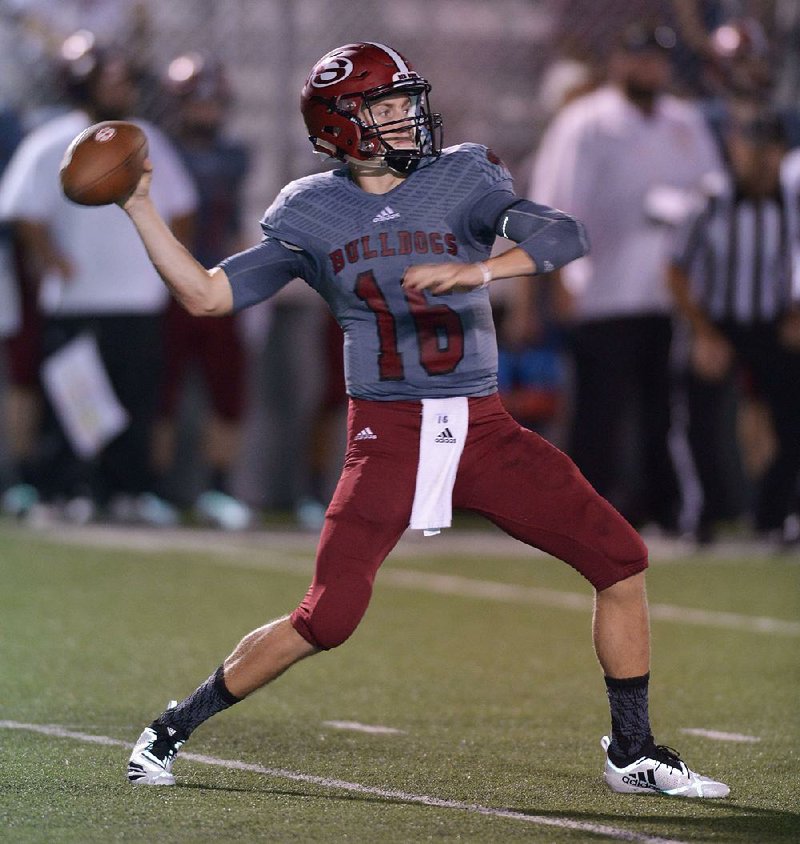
[(333, 71), (105, 134)]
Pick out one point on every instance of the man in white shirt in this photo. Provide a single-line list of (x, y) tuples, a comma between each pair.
[(95, 275), (622, 159)]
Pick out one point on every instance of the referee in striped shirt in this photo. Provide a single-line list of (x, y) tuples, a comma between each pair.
[(731, 277)]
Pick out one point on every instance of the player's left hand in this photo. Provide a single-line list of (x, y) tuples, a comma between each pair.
[(449, 277)]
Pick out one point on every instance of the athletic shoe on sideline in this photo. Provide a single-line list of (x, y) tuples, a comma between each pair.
[(660, 771), (310, 514), (222, 511), (154, 511), (153, 755), (18, 500)]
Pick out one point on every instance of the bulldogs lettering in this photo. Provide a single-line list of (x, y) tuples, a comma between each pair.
[(393, 243)]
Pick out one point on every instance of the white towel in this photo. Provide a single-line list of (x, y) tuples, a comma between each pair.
[(441, 440)]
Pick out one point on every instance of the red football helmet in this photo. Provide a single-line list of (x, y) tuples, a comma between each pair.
[(337, 102)]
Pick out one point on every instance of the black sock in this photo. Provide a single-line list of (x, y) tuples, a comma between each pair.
[(630, 721), (205, 701)]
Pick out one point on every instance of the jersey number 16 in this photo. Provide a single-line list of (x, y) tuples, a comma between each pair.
[(440, 333)]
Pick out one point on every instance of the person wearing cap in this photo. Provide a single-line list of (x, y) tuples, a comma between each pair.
[(623, 159)]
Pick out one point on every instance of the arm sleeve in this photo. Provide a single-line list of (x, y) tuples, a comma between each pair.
[(550, 237), (261, 271)]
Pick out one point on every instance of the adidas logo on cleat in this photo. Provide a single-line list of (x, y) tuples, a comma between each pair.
[(642, 779), (445, 437), (366, 434), (385, 215)]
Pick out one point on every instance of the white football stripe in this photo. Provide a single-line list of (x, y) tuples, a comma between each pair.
[(718, 735), (402, 67), (616, 833)]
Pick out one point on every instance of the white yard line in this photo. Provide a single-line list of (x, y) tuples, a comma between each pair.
[(269, 553), (718, 735), (612, 832), (357, 727), (466, 587)]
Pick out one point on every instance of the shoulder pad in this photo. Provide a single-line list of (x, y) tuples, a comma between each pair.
[(482, 158)]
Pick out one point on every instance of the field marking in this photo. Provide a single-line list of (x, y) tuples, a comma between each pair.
[(357, 727), (357, 788), (263, 556), (718, 735), (465, 587)]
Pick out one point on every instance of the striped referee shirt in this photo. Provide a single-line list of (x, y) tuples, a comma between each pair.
[(737, 250)]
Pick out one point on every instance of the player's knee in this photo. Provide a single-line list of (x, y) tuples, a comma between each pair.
[(624, 584), (329, 614)]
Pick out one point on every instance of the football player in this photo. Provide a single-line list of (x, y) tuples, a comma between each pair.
[(397, 241)]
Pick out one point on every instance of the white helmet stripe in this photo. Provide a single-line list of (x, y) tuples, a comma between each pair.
[(402, 67)]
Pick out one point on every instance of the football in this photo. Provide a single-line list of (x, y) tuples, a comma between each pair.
[(104, 163)]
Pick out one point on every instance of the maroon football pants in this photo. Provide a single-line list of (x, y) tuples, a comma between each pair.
[(511, 475)]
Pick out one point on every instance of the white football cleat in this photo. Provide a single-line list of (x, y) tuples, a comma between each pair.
[(154, 754), (660, 771)]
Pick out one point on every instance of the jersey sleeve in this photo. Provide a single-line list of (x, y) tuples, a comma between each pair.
[(290, 218), (261, 271)]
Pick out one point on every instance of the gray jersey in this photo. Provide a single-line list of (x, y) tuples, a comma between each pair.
[(353, 248)]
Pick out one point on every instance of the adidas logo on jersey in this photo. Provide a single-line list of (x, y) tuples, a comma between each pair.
[(366, 434), (386, 214), (445, 437)]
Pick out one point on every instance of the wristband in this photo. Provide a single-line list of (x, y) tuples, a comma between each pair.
[(485, 272)]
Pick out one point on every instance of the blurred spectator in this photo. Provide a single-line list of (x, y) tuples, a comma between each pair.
[(10, 310), (621, 159), (738, 57), (695, 20), (199, 98), (34, 31), (731, 278), (326, 436), (787, 35), (531, 318), (531, 375), (96, 279), (738, 75)]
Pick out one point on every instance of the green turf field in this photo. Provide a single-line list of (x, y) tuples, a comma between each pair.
[(480, 662)]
